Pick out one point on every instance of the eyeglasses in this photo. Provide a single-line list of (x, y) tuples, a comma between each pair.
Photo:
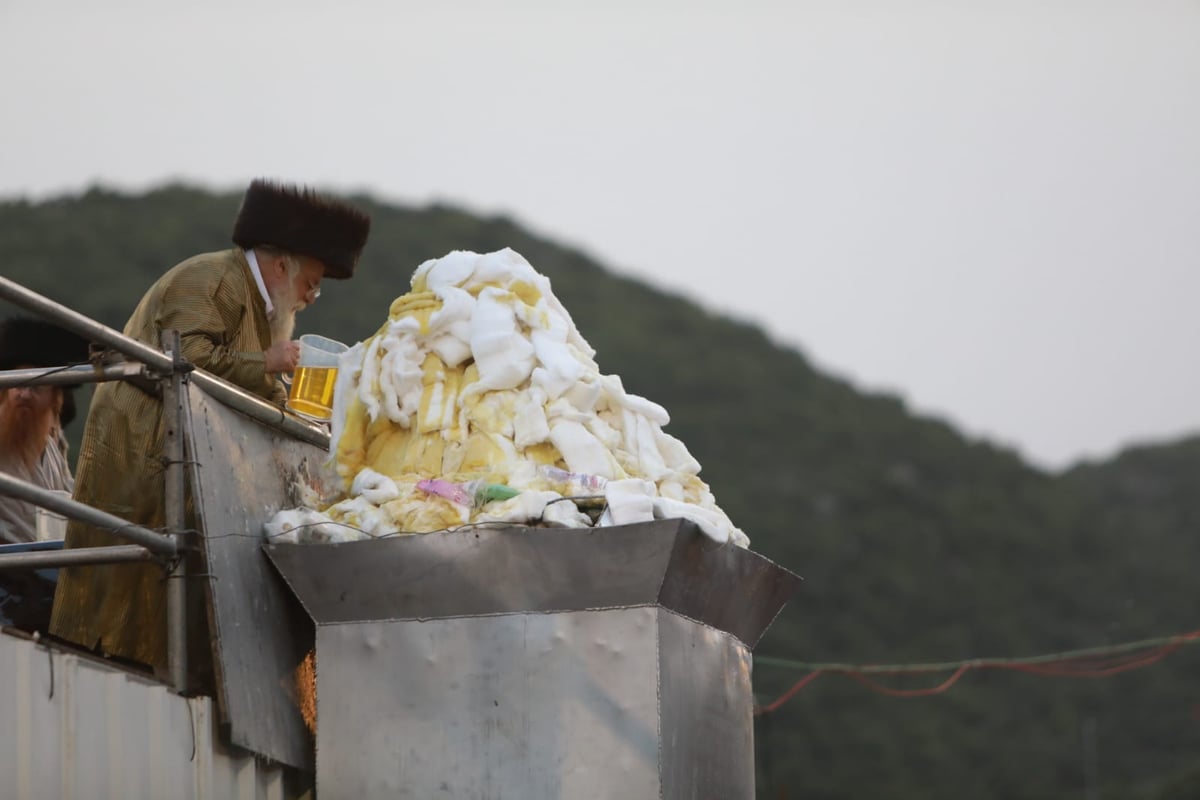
[(294, 266), (314, 291)]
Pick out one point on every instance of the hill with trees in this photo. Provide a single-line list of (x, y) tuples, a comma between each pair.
[(917, 544)]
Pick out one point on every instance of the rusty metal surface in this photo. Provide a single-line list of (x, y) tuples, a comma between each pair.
[(246, 472), (706, 712), (504, 570), (514, 706)]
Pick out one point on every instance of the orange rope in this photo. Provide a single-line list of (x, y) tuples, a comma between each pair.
[(1097, 662)]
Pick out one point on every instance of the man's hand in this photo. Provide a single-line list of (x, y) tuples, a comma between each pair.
[(283, 356)]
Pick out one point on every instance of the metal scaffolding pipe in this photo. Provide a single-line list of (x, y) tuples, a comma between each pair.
[(233, 396), (175, 445), (257, 408), (48, 559), (70, 376), (155, 542), (83, 325)]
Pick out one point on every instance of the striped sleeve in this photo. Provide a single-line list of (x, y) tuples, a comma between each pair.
[(208, 309)]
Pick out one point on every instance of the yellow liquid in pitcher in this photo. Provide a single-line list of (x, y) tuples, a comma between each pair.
[(312, 391)]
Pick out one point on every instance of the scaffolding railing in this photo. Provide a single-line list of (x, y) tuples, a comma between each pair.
[(160, 364), (153, 542), (172, 374)]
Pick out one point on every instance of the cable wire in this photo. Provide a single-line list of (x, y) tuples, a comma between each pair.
[(1092, 662)]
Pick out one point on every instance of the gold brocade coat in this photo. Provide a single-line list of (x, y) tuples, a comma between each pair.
[(214, 303)]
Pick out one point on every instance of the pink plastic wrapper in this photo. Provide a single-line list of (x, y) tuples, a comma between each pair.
[(454, 492)]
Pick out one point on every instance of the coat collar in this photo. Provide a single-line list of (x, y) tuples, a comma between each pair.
[(262, 323)]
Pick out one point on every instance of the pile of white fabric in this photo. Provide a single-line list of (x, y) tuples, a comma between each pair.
[(479, 401)]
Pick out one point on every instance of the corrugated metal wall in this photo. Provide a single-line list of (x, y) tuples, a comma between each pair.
[(105, 733)]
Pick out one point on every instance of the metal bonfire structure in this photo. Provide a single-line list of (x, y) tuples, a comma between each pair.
[(485, 662)]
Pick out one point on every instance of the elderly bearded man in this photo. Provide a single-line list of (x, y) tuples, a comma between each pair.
[(234, 311), (32, 418)]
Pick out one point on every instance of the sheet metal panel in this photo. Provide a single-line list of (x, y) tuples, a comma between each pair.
[(506, 707), (479, 571), (706, 712), (247, 471), (522, 662), (505, 570), (725, 586), (76, 728)]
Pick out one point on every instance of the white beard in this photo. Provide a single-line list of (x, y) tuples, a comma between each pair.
[(283, 314), (283, 323)]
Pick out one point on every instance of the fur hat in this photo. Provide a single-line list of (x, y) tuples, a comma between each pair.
[(34, 343), (302, 221)]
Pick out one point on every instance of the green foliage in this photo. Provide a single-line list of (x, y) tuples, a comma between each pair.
[(916, 543)]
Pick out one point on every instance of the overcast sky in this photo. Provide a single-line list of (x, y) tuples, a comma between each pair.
[(989, 207)]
